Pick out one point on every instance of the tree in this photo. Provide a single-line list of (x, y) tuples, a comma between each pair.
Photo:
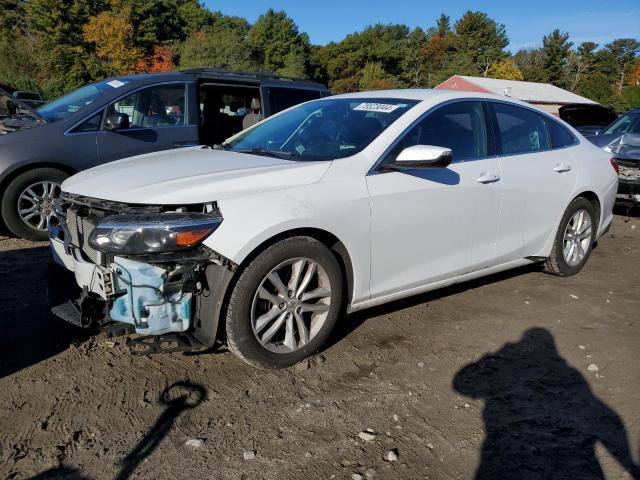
[(531, 64), (275, 38), (220, 45), (581, 62), (506, 69), (161, 61), (482, 39), (443, 26), (555, 47), (624, 51), (112, 34), (374, 77)]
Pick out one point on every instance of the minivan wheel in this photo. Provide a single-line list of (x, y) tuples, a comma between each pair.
[(27, 204), (574, 239), (285, 303)]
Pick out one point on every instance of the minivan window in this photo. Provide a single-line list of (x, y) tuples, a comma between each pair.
[(321, 130), (283, 98), (154, 107), (80, 98), (560, 135), (521, 130), (459, 126)]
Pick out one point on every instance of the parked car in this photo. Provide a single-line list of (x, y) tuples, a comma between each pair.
[(621, 139), (588, 119), (33, 99), (122, 117), (354, 200)]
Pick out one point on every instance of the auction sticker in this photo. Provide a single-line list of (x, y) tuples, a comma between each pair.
[(376, 107), (115, 83)]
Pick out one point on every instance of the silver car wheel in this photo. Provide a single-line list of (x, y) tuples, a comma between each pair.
[(35, 204), (291, 305), (577, 238)]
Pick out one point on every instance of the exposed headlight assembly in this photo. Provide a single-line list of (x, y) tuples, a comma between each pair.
[(136, 234)]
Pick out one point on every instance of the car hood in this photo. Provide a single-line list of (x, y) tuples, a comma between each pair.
[(191, 175), (16, 115)]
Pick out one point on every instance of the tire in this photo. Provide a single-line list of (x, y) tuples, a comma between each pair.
[(557, 263), (12, 202), (247, 309)]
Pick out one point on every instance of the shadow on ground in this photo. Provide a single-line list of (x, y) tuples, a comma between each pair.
[(177, 398), (541, 418)]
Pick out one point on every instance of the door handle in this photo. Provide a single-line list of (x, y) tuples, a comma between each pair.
[(184, 144), (562, 167), (488, 178)]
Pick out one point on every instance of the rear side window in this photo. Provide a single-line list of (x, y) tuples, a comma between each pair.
[(283, 98), (560, 136), (521, 130)]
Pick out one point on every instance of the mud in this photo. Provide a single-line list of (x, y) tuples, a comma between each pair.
[(519, 375)]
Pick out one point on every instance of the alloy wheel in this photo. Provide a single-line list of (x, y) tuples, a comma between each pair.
[(577, 238), (35, 204), (291, 305)]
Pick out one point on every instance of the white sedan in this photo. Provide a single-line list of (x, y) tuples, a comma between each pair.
[(334, 205)]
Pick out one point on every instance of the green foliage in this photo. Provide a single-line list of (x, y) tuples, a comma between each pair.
[(555, 48), (278, 45), (42, 47)]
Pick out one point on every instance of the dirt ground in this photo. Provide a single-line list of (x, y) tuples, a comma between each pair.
[(519, 375)]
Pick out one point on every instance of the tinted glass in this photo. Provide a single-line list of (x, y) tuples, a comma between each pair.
[(322, 130), (154, 107), (628, 123), (74, 101), (521, 130), (90, 125), (459, 126), (560, 135), (283, 98)]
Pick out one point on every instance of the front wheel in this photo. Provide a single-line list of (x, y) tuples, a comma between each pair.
[(574, 239), (27, 204), (285, 303)]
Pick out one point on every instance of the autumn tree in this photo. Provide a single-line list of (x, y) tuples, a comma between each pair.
[(112, 35), (505, 69), (623, 51)]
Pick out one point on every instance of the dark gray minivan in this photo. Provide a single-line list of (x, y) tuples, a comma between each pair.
[(122, 117)]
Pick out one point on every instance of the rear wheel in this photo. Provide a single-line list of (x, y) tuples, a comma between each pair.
[(285, 303), (27, 204), (574, 239)]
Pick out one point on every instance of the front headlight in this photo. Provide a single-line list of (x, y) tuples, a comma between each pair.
[(154, 233)]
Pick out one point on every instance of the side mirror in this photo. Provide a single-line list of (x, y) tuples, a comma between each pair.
[(422, 156), (116, 121)]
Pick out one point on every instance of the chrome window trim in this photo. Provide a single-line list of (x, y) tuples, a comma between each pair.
[(68, 131)]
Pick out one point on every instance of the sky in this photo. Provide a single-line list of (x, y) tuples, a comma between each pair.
[(526, 21)]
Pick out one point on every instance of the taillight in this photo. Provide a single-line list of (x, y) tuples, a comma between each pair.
[(614, 164)]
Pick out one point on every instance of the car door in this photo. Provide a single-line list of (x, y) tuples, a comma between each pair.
[(159, 119), (432, 224), (537, 179)]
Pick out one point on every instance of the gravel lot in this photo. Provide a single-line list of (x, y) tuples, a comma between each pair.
[(520, 375)]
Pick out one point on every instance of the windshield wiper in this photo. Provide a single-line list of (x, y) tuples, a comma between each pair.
[(267, 153)]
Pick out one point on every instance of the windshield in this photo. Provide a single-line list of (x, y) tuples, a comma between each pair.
[(72, 102), (628, 123), (323, 129)]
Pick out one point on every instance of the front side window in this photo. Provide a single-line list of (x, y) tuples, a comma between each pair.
[(322, 130), (629, 123), (90, 125), (459, 126), (521, 130), (154, 107)]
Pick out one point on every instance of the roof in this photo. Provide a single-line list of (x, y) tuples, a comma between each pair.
[(526, 91)]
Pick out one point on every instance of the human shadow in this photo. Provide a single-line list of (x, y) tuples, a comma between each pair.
[(541, 418), (178, 398)]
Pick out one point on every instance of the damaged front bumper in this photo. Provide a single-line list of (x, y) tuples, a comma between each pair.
[(128, 291)]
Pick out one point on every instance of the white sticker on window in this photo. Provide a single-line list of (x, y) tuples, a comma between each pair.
[(115, 83), (376, 107)]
